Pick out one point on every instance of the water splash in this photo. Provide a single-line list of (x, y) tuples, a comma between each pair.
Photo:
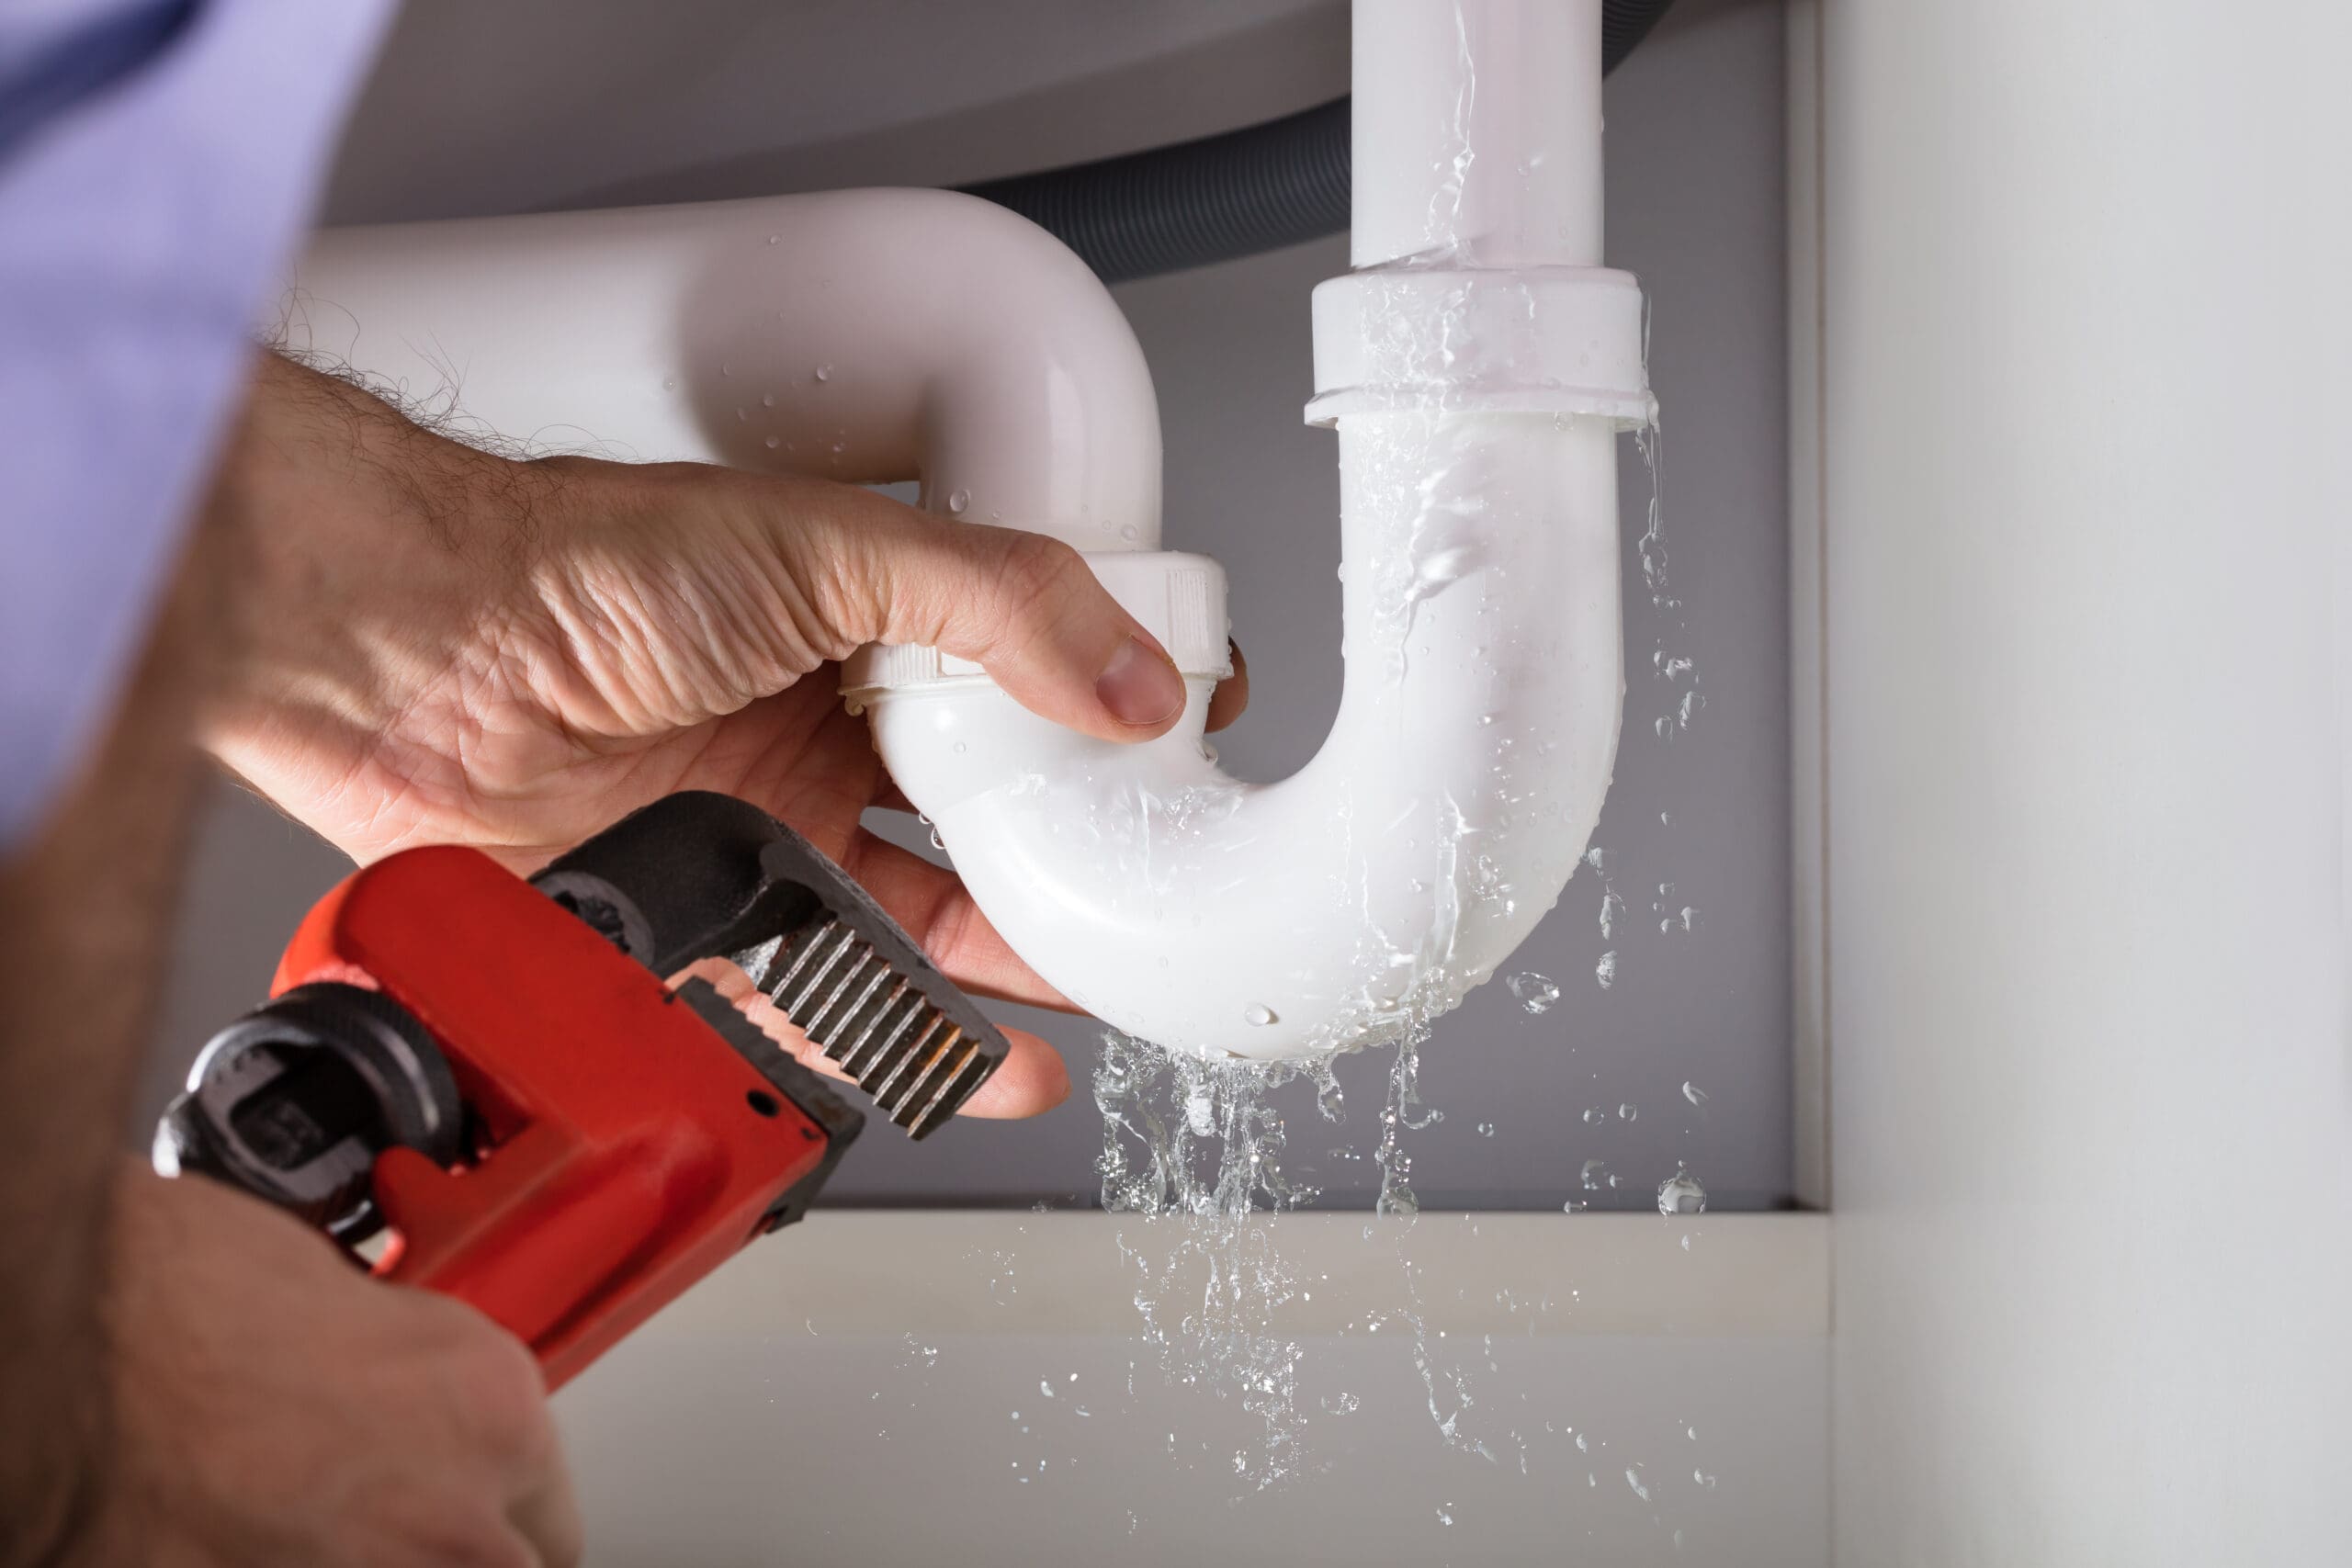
[(1196, 1149), (1193, 1147), (1612, 907), (1535, 992), (1682, 1193), (1405, 1111)]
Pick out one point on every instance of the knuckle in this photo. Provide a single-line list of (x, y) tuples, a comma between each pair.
[(1038, 583), (837, 588), (1033, 570), (501, 1395)]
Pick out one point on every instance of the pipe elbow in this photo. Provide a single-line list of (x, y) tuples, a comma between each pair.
[(1370, 891), (876, 336)]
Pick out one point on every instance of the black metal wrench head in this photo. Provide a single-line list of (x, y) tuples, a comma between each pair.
[(698, 875)]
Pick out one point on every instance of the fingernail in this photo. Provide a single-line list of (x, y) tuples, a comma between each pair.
[(1139, 687)]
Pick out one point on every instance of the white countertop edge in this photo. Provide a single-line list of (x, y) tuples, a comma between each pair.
[(927, 1272)]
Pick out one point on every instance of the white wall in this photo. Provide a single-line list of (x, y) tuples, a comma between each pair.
[(2086, 500)]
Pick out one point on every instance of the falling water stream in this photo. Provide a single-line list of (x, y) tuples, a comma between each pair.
[(1197, 1151)]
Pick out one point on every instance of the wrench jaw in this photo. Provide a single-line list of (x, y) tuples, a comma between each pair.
[(698, 875), (875, 1022)]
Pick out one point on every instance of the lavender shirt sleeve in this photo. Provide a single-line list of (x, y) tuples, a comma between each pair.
[(158, 161)]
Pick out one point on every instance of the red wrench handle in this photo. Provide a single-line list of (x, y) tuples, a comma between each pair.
[(625, 1139)]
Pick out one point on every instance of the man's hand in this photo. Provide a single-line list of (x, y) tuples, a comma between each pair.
[(276, 1406), (446, 646)]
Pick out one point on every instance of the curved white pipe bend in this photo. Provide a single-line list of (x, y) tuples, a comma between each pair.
[(1394, 871), (884, 335), (868, 335)]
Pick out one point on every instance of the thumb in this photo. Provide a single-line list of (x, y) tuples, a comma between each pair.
[(1025, 608)]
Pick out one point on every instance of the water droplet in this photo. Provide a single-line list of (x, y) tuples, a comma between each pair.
[(1045, 1388), (1694, 1093), (669, 383), (824, 373), (1486, 1128), (1704, 1479), (1688, 915), (1627, 1112), (1130, 532), (1606, 970), (774, 238), (1260, 1013), (936, 841), (1443, 1517), (1634, 1480), (1681, 1195), (773, 442), (1535, 992), (961, 747), (768, 400), (957, 502), (1591, 1174), (1595, 1117)]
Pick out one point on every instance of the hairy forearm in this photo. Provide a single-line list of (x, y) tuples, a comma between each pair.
[(363, 531), (373, 548), (83, 910)]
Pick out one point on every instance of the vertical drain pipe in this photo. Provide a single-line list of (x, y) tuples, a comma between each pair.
[(1477, 134)]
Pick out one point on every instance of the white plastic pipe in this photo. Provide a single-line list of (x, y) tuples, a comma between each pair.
[(868, 335), (1476, 132), (1394, 871), (1478, 372)]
